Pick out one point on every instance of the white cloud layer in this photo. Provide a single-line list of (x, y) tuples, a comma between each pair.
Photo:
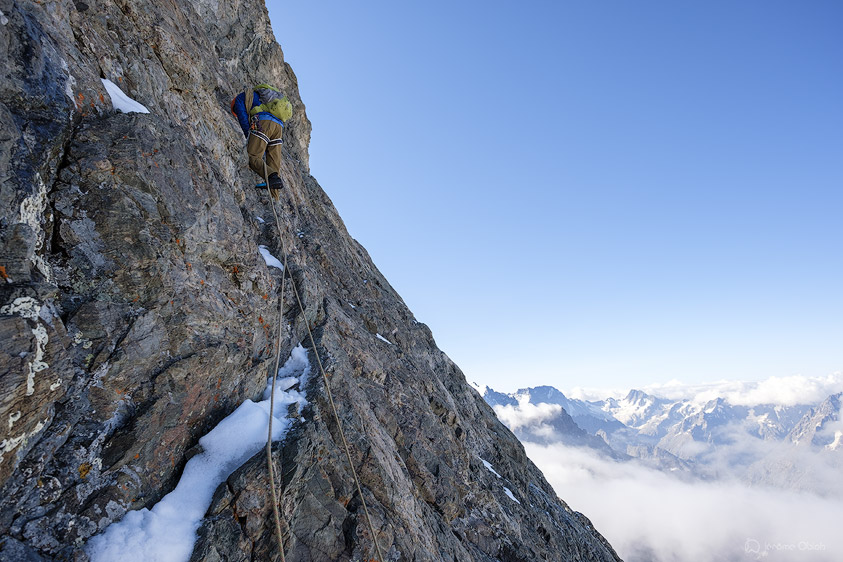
[(526, 414), (785, 391), (650, 516)]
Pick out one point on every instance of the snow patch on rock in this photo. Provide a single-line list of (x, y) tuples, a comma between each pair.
[(120, 101), (167, 532)]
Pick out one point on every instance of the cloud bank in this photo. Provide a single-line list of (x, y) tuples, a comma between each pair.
[(784, 391), (650, 516), (526, 414)]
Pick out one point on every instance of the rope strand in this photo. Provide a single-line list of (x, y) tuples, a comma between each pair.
[(327, 389), (269, 463)]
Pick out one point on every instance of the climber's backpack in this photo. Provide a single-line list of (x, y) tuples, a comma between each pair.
[(272, 101)]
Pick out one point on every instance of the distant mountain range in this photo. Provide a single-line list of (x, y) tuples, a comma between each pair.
[(787, 446)]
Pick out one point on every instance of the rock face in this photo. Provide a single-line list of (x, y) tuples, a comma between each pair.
[(136, 311)]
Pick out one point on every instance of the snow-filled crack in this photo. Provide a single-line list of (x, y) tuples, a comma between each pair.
[(167, 531)]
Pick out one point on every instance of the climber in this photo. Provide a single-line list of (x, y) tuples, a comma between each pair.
[(262, 111)]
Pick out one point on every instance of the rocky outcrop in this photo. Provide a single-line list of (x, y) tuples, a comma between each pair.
[(136, 311), (815, 426)]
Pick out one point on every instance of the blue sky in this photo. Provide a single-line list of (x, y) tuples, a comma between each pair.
[(590, 193)]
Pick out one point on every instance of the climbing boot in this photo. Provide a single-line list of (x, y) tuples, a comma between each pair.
[(275, 185), (275, 181)]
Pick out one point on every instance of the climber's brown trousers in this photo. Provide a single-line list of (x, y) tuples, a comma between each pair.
[(266, 139)]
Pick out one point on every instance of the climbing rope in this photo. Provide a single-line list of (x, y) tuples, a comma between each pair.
[(327, 390), (269, 463)]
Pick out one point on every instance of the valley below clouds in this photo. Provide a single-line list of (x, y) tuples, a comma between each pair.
[(648, 515)]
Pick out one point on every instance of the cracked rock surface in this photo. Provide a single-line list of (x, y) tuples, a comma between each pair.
[(136, 312)]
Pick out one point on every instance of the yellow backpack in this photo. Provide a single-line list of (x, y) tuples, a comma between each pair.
[(279, 107)]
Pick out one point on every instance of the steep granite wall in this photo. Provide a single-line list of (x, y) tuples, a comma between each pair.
[(136, 311)]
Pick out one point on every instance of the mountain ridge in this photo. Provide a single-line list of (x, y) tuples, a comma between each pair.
[(138, 312), (699, 437)]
